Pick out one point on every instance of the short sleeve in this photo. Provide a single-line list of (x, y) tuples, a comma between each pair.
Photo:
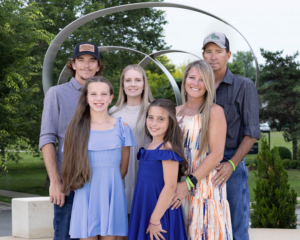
[(250, 111), (49, 126), (158, 155), (128, 137)]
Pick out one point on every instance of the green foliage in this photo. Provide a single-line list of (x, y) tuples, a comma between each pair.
[(236, 68), (286, 163), (19, 35), (284, 152), (251, 162), (280, 93), (275, 201), (293, 164), (242, 64)]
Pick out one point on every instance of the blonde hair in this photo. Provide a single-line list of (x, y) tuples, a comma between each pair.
[(146, 94), (208, 77)]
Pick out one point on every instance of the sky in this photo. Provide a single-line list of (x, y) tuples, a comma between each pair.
[(272, 25)]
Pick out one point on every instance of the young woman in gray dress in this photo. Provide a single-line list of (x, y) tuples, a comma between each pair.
[(134, 98)]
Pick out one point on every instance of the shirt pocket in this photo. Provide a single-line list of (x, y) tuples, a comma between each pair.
[(229, 111)]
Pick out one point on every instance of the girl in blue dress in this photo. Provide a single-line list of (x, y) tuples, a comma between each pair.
[(95, 159), (161, 165)]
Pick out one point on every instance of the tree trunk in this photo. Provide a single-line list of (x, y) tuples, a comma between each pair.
[(3, 160), (294, 141)]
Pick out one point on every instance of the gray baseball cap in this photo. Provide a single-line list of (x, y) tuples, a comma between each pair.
[(218, 38)]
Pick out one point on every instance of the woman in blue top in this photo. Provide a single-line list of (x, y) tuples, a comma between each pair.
[(96, 153), (161, 165)]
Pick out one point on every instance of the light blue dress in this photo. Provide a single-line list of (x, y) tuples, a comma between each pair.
[(100, 207)]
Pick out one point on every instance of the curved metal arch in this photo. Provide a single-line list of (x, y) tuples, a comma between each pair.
[(67, 31), (147, 60), (64, 74)]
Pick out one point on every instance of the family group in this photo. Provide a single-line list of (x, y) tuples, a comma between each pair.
[(145, 168)]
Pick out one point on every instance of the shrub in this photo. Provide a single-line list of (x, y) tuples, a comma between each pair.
[(284, 152), (286, 163), (293, 164), (275, 201), (249, 162)]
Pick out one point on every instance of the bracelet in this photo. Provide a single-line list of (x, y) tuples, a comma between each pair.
[(188, 184), (232, 164), (154, 224)]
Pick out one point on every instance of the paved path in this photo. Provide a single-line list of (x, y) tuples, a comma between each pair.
[(12, 194), (255, 234)]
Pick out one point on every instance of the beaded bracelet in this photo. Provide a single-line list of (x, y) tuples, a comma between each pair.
[(154, 224)]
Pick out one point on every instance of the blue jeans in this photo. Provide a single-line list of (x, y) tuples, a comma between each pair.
[(238, 197), (62, 218)]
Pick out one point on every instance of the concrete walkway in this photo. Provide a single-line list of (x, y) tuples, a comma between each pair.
[(12, 194), (255, 234)]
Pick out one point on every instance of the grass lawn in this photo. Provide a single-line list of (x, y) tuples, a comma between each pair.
[(28, 176)]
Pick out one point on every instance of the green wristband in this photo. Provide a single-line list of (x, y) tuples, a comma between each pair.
[(188, 184), (232, 164)]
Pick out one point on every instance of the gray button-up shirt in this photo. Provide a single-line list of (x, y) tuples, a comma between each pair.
[(60, 104), (237, 95)]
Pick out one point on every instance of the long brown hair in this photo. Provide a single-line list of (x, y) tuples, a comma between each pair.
[(208, 77), (173, 133), (76, 169)]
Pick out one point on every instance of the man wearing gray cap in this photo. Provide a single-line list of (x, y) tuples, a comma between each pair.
[(238, 97), (60, 103)]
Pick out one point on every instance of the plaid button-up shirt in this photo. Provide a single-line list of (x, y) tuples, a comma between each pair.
[(238, 97)]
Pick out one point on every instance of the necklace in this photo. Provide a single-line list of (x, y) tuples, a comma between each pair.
[(189, 113), (132, 110)]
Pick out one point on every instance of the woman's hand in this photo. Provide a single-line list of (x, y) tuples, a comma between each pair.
[(155, 230), (180, 193)]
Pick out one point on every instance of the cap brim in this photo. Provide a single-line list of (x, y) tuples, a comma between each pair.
[(215, 42)]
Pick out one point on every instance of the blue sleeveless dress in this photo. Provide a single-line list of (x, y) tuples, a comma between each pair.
[(150, 182), (100, 207)]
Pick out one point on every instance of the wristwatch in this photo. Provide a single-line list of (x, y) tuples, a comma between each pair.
[(193, 179)]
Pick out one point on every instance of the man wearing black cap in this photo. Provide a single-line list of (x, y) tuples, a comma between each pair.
[(238, 97), (59, 107)]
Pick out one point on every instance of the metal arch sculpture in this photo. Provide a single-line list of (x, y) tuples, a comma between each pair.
[(148, 58), (64, 74), (68, 30)]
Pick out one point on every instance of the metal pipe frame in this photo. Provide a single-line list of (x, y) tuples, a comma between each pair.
[(69, 29)]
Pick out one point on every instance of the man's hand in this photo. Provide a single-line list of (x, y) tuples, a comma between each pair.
[(56, 196), (224, 172)]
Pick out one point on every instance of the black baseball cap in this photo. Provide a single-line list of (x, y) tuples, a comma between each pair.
[(86, 48)]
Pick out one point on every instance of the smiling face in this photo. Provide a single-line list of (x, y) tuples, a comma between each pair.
[(133, 84), (85, 66), (194, 85), (98, 96), (157, 122), (216, 57)]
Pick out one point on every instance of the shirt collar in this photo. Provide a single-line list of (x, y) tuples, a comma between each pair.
[(228, 77), (76, 84)]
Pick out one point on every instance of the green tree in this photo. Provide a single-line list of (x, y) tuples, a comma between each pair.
[(236, 68), (275, 202), (280, 93), (20, 33)]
